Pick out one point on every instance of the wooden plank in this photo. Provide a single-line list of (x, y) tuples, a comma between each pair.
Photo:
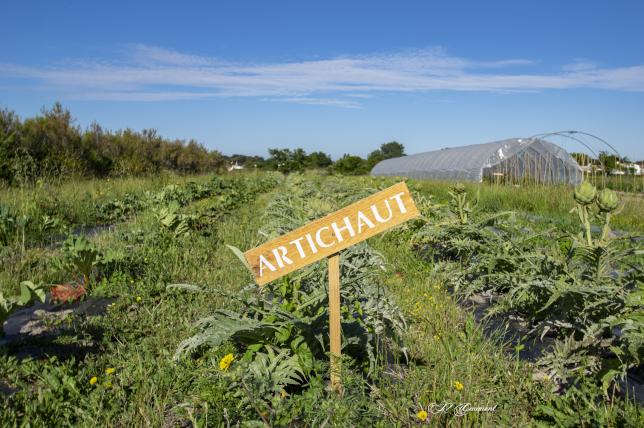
[(334, 322), (332, 233)]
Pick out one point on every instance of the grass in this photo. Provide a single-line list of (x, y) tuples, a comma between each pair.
[(140, 331), (548, 203)]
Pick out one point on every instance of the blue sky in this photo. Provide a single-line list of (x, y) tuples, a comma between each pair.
[(342, 77)]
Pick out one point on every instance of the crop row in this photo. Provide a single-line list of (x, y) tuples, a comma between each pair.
[(80, 264), (582, 294)]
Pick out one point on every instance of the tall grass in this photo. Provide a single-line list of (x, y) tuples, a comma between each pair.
[(549, 203)]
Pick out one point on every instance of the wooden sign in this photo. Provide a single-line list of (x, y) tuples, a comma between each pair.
[(326, 237), (332, 233)]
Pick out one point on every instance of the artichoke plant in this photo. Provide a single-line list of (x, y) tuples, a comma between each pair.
[(585, 193), (607, 200)]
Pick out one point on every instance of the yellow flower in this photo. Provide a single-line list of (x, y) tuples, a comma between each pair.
[(437, 337), (225, 362), (93, 380), (458, 386), (422, 415), (138, 299), (110, 370)]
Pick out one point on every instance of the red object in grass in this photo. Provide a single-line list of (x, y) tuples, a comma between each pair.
[(67, 293)]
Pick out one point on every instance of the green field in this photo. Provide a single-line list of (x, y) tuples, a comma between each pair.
[(133, 352)]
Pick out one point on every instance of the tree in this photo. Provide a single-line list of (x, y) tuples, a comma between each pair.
[(392, 149), (287, 161), (609, 161), (9, 136), (51, 145), (319, 160), (351, 165), (374, 157)]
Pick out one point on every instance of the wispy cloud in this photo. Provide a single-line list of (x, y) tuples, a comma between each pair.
[(336, 102), (154, 55), (151, 73)]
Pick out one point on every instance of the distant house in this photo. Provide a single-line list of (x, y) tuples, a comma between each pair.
[(513, 159), (235, 167), (633, 168), (627, 168)]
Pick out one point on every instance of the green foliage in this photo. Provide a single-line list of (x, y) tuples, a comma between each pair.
[(583, 406), (7, 225), (576, 293), (28, 294), (171, 220), (141, 326), (393, 149), (319, 160), (282, 328), (351, 165), (287, 161), (455, 235), (79, 256), (119, 209), (54, 146)]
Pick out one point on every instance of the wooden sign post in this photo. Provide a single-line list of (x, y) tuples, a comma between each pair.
[(335, 331), (326, 237)]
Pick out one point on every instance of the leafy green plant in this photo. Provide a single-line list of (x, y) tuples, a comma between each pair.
[(281, 329), (170, 219), (119, 209), (576, 293), (28, 294), (459, 236), (79, 256)]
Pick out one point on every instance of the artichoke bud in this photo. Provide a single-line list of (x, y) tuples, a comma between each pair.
[(458, 188), (585, 193), (607, 200)]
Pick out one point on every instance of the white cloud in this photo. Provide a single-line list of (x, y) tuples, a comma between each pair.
[(336, 102), (150, 73), (154, 55), (580, 65)]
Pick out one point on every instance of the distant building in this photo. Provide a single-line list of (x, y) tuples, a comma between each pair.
[(632, 168), (514, 159)]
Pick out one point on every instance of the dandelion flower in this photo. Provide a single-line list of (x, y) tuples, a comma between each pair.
[(110, 370), (422, 415), (225, 362), (93, 380), (458, 386), (138, 299)]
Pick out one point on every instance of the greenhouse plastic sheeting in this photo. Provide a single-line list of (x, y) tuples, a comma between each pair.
[(516, 158)]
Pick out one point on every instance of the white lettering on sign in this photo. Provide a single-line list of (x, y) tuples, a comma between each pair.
[(332, 233)]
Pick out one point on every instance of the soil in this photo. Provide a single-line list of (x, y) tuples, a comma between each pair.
[(43, 319)]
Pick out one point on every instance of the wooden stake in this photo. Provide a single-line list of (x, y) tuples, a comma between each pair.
[(334, 322)]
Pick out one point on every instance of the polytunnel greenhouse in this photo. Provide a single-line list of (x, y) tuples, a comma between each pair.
[(512, 160)]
